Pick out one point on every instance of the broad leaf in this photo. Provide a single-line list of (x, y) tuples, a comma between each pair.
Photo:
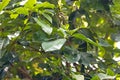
[(39, 36), (104, 43), (72, 58), (81, 36), (105, 76), (53, 45), (45, 26), (87, 58)]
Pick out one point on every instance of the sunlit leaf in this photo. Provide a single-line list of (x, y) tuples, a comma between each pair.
[(14, 16), (44, 5), (30, 3), (3, 4), (95, 78), (22, 10), (110, 72)]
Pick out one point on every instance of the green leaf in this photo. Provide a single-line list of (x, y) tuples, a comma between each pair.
[(87, 58), (95, 78), (104, 43), (81, 36), (3, 4), (72, 58), (22, 10), (105, 76), (49, 18), (115, 37), (40, 36), (53, 45), (13, 16), (78, 77), (45, 5), (45, 26), (3, 43), (30, 4), (110, 72)]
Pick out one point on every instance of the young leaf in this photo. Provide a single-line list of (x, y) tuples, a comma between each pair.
[(95, 78), (3, 4), (53, 45), (13, 16), (22, 10), (110, 72), (45, 27), (30, 3), (45, 5)]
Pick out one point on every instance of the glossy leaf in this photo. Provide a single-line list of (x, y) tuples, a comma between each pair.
[(53, 45), (3, 43), (105, 76), (49, 18), (45, 26), (78, 77)]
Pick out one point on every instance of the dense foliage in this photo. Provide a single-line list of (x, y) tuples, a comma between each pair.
[(59, 39)]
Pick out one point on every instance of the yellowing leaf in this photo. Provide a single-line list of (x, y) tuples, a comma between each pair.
[(37, 68)]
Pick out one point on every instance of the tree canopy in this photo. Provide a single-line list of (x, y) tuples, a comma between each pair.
[(59, 39)]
